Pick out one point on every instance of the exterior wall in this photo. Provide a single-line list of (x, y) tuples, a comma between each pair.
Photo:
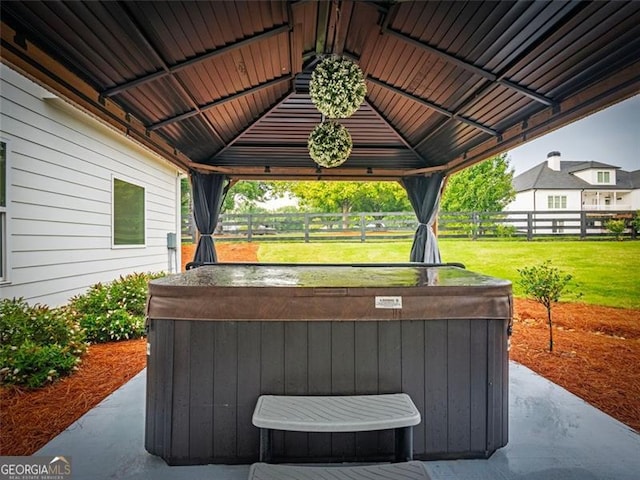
[(522, 202), (61, 165)]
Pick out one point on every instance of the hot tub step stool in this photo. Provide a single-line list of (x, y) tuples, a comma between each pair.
[(387, 471), (355, 413)]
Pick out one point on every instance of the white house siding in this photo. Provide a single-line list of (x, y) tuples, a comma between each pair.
[(61, 164), (547, 221)]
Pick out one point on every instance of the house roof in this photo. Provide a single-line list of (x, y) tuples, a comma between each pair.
[(223, 86), (543, 177)]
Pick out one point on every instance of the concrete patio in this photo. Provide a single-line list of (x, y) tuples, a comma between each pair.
[(554, 435)]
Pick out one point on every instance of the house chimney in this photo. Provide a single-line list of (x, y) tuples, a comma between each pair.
[(553, 161)]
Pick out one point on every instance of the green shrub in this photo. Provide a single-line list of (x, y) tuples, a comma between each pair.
[(505, 231), (617, 227), (113, 311), (37, 344)]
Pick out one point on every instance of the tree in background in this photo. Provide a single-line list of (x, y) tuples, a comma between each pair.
[(244, 195), (484, 187), (346, 197)]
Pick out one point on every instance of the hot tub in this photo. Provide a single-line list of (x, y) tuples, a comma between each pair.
[(222, 335)]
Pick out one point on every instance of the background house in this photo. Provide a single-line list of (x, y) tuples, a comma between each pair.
[(79, 202), (556, 187)]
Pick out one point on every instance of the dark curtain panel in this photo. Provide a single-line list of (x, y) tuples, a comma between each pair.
[(424, 195), (208, 194)]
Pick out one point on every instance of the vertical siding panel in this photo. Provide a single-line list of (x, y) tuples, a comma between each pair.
[(201, 390), (159, 387), (319, 379), (413, 372), (366, 378), (496, 371), (295, 373), (390, 372), (478, 352), (249, 345), (459, 374), (343, 380), (165, 373), (435, 423), (272, 374), (503, 353), (225, 374), (181, 382)]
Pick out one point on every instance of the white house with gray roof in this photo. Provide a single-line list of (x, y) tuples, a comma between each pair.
[(557, 187), (569, 185)]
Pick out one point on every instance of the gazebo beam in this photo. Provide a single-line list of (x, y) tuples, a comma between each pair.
[(470, 67), (433, 106), (169, 70)]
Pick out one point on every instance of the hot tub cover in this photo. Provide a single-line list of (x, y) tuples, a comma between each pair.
[(328, 292)]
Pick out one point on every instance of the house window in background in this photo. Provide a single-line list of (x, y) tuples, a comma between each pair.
[(128, 214), (556, 202), (3, 211), (604, 177)]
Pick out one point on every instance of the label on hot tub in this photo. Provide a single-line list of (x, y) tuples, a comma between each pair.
[(388, 302)]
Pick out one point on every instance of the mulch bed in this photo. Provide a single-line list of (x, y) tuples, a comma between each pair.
[(596, 356)]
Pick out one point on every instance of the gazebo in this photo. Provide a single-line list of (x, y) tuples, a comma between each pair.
[(221, 90)]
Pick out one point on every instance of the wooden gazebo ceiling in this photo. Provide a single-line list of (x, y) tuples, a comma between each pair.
[(223, 86)]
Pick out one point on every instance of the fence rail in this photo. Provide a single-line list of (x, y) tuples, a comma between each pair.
[(361, 227)]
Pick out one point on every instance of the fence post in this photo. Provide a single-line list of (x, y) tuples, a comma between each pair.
[(583, 225), (363, 230), (529, 226), (474, 225), (306, 228), (249, 228)]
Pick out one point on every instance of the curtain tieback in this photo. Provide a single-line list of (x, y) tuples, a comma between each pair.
[(206, 235)]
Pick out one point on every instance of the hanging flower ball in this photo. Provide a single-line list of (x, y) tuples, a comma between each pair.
[(337, 87), (329, 144)]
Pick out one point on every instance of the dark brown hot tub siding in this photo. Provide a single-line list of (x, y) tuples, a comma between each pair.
[(204, 379)]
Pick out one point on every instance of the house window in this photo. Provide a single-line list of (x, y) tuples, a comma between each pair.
[(3, 211), (604, 177), (128, 214), (556, 201)]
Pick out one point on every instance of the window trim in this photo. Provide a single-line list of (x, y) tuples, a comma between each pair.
[(551, 202), (126, 179), (606, 177), (6, 241)]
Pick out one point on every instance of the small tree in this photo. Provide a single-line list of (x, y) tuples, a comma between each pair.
[(617, 227), (545, 284)]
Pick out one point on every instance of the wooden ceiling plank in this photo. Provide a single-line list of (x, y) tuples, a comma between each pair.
[(216, 103), (432, 106), (195, 60), (468, 66)]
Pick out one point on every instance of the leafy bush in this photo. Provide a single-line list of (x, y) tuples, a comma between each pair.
[(505, 231), (617, 227), (113, 311), (37, 344)]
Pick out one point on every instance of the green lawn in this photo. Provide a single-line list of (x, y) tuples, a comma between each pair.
[(607, 272)]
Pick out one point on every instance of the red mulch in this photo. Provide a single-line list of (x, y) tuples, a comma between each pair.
[(596, 356)]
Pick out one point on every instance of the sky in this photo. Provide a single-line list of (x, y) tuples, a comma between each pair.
[(610, 136)]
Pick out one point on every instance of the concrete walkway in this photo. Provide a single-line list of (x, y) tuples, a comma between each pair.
[(553, 435)]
